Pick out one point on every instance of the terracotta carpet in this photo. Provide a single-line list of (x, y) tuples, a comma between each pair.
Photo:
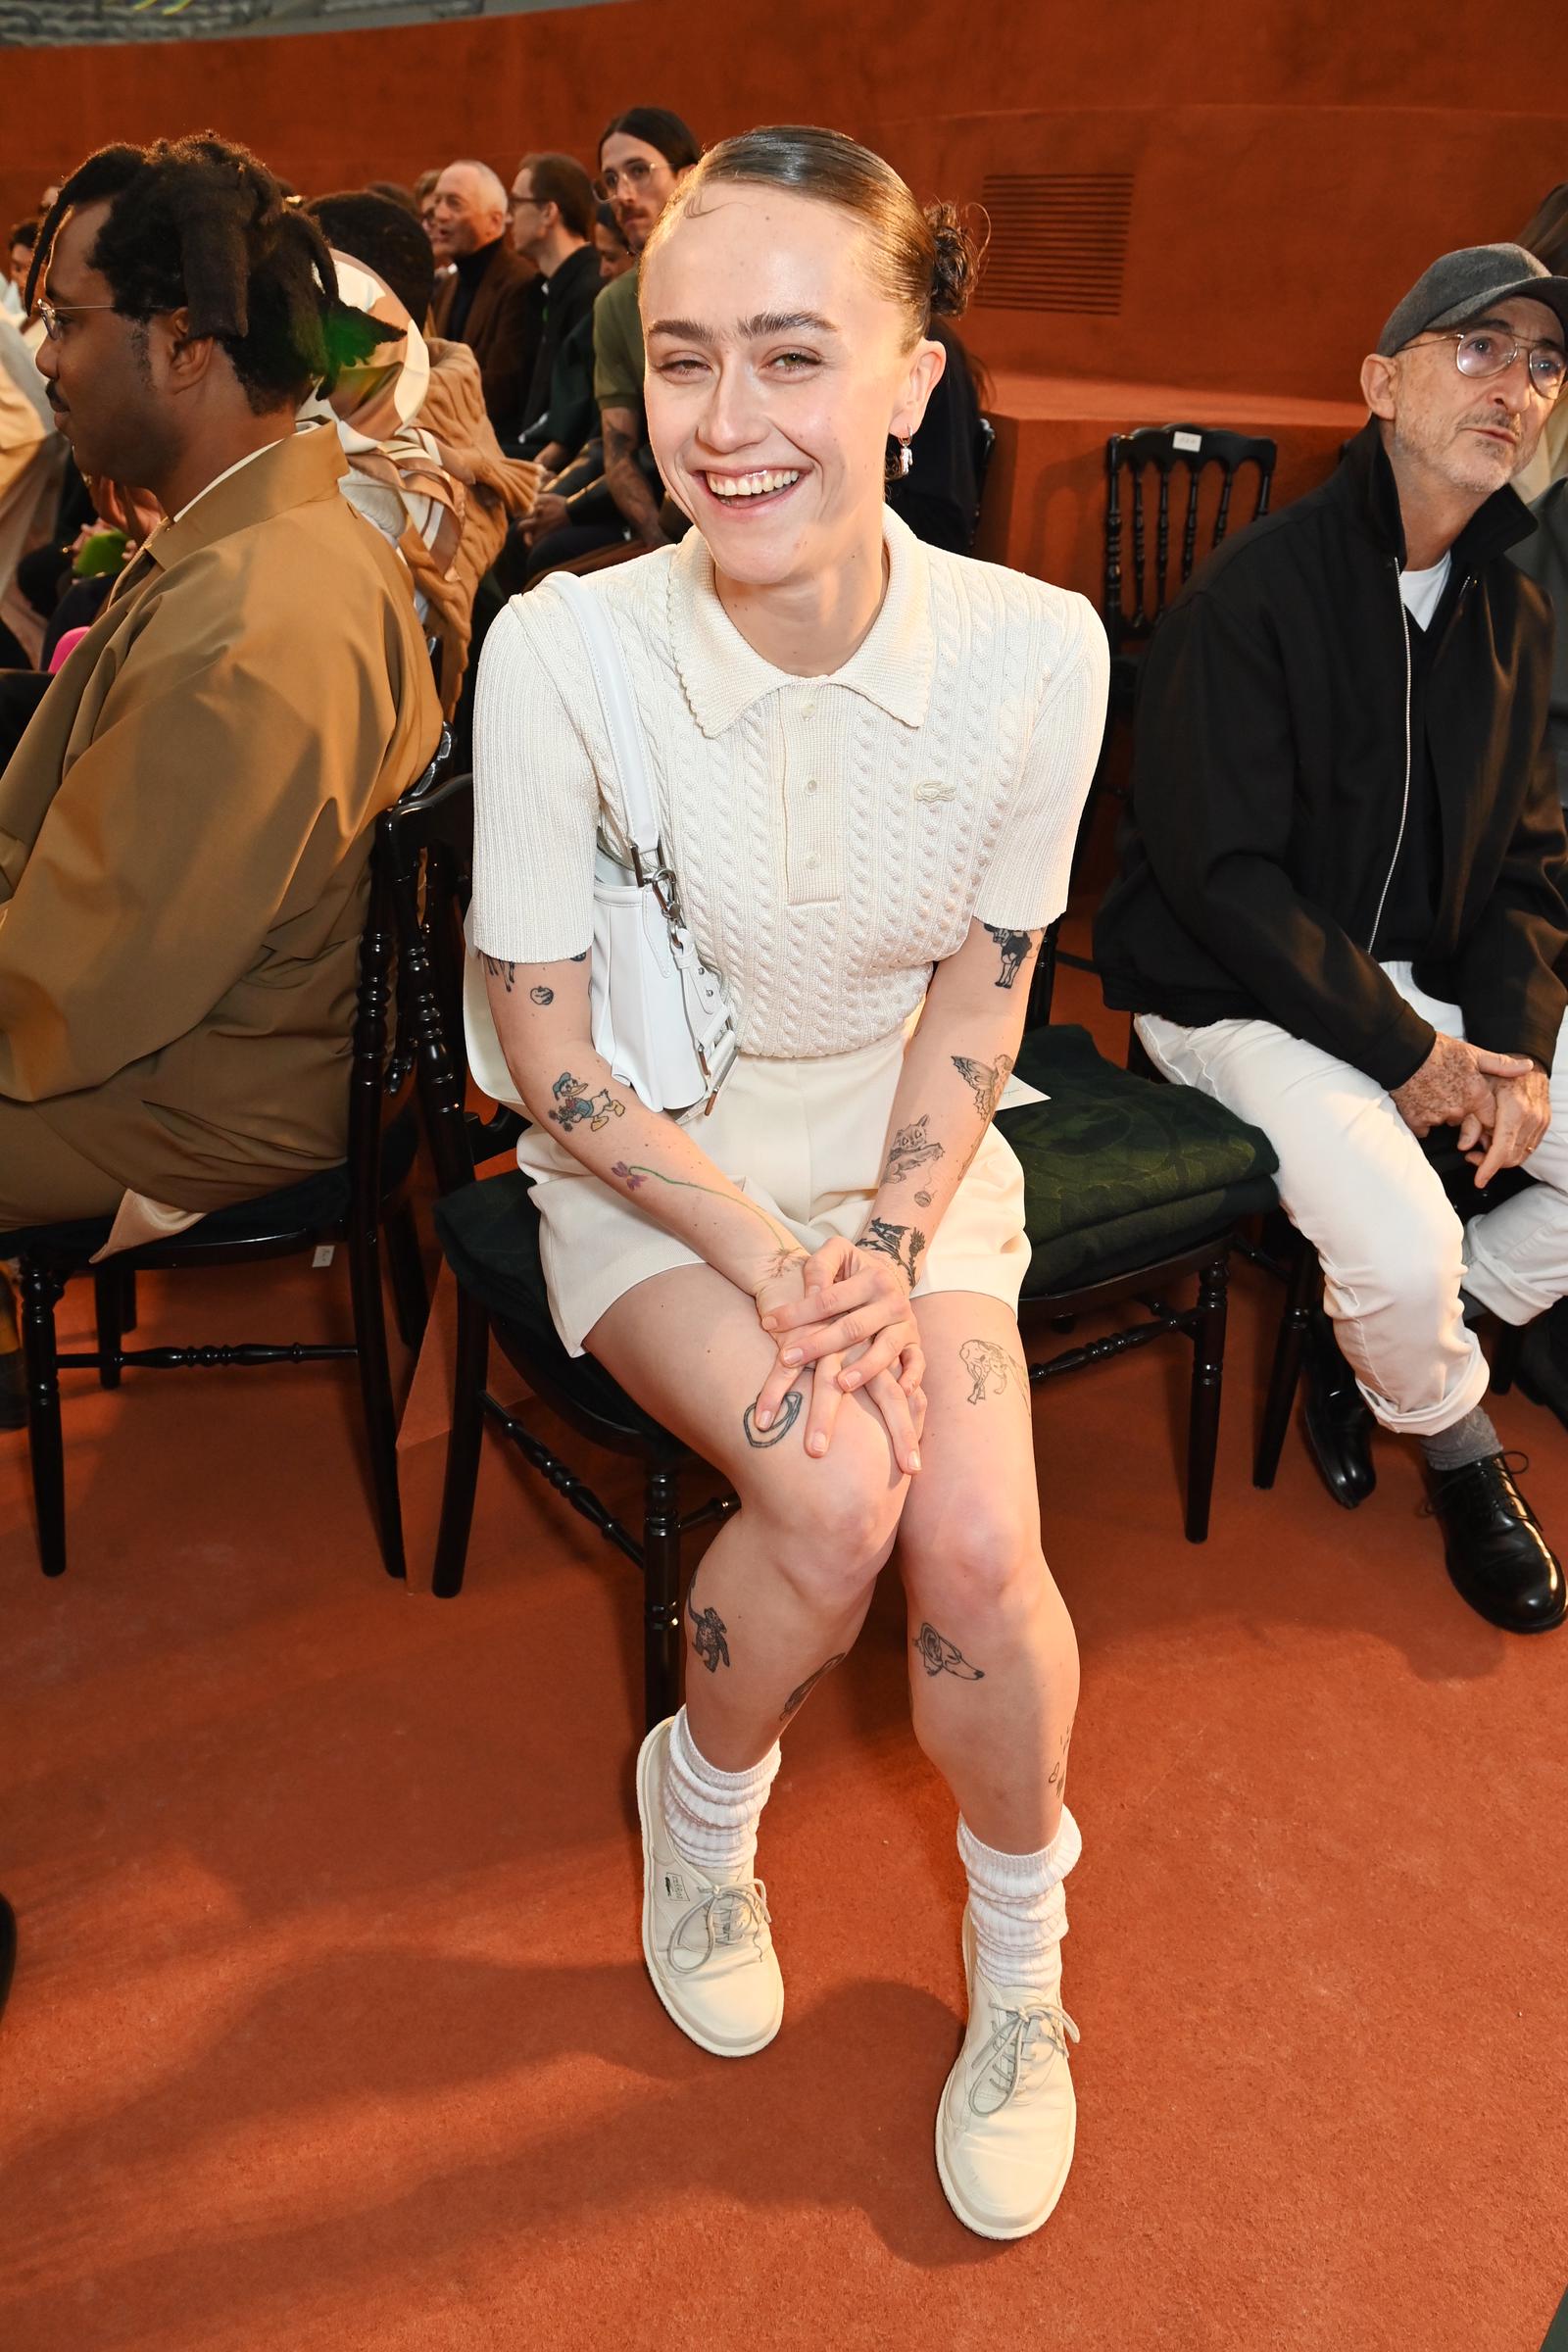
[(330, 2028)]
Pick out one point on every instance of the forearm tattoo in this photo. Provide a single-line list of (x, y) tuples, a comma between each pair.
[(903, 1244), (637, 1173), (803, 1691), (939, 1655), (541, 995), (506, 973), (987, 1362), (1014, 948), (709, 1631), (984, 1079), (781, 1261), (577, 1102), (784, 1420), (911, 1150)]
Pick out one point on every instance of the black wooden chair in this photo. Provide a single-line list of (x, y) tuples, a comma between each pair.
[(1132, 1191), (1159, 450), (353, 1205)]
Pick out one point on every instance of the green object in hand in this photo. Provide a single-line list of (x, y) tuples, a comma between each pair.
[(101, 556)]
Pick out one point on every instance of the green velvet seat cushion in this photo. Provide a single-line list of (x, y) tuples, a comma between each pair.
[(490, 1235), (1119, 1171)]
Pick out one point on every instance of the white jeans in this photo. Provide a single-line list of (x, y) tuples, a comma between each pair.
[(1356, 1181)]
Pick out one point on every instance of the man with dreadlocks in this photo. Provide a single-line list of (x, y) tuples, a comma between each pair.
[(186, 825)]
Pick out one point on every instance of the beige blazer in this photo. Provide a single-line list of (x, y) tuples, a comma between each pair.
[(184, 839)]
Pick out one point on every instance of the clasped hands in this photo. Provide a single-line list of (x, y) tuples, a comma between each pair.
[(844, 1313), (1500, 1103)]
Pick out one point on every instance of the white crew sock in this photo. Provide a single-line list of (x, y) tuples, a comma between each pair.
[(711, 1816), (1018, 1907)]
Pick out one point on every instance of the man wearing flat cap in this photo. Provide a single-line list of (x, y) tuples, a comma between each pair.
[(1341, 906)]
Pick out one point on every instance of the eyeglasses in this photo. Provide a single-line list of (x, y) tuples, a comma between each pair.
[(515, 202), (55, 315), (1486, 351), (633, 178)]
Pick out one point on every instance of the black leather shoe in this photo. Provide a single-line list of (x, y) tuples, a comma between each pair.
[(1497, 1557), (1338, 1421)]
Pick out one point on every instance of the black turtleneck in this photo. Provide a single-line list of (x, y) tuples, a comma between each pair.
[(470, 268)]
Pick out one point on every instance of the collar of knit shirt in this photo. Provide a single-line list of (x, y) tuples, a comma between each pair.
[(723, 676)]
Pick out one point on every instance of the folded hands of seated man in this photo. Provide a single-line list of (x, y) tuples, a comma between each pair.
[(845, 1313), (1501, 1098)]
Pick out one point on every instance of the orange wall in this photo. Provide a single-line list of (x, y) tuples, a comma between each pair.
[(1295, 165)]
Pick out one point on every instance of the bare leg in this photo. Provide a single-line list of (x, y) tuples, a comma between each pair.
[(992, 1661), (784, 1587)]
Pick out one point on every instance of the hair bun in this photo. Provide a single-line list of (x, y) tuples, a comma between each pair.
[(955, 264)]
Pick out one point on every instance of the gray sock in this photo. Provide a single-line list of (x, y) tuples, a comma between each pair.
[(1466, 1441)]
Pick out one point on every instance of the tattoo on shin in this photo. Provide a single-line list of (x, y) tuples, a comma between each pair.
[(939, 1655), (986, 1362), (1056, 1776), (984, 1079), (1013, 947), (803, 1691), (784, 1420), (506, 973), (707, 1632)]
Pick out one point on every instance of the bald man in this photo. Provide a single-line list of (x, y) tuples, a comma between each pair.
[(492, 298)]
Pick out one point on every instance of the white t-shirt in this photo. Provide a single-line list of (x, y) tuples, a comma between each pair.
[(1422, 591)]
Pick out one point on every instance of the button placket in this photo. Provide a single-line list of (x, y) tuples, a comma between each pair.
[(810, 800)]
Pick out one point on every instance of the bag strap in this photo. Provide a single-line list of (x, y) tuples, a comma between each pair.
[(619, 710)]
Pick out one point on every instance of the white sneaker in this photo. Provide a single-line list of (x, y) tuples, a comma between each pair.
[(1005, 2125), (709, 1948)]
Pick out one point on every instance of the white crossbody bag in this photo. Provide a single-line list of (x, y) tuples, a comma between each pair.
[(661, 1019)]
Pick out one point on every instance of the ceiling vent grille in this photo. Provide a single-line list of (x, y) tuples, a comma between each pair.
[(1058, 240)]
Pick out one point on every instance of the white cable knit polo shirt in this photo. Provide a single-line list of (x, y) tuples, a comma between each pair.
[(834, 837)]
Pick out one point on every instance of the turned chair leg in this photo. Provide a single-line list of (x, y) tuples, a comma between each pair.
[(40, 1288), (410, 1297), (1209, 1372), (462, 1448), (661, 1644), (1301, 1299), (375, 1391), (108, 1312)]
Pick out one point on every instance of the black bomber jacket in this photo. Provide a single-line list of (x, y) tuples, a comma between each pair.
[(1271, 775)]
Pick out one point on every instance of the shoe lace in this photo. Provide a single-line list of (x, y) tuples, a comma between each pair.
[(1473, 1499), (730, 1915), (1032, 2031)]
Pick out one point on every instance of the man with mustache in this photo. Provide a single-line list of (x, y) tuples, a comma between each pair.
[(1341, 903)]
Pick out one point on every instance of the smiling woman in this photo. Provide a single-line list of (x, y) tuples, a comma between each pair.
[(869, 757)]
